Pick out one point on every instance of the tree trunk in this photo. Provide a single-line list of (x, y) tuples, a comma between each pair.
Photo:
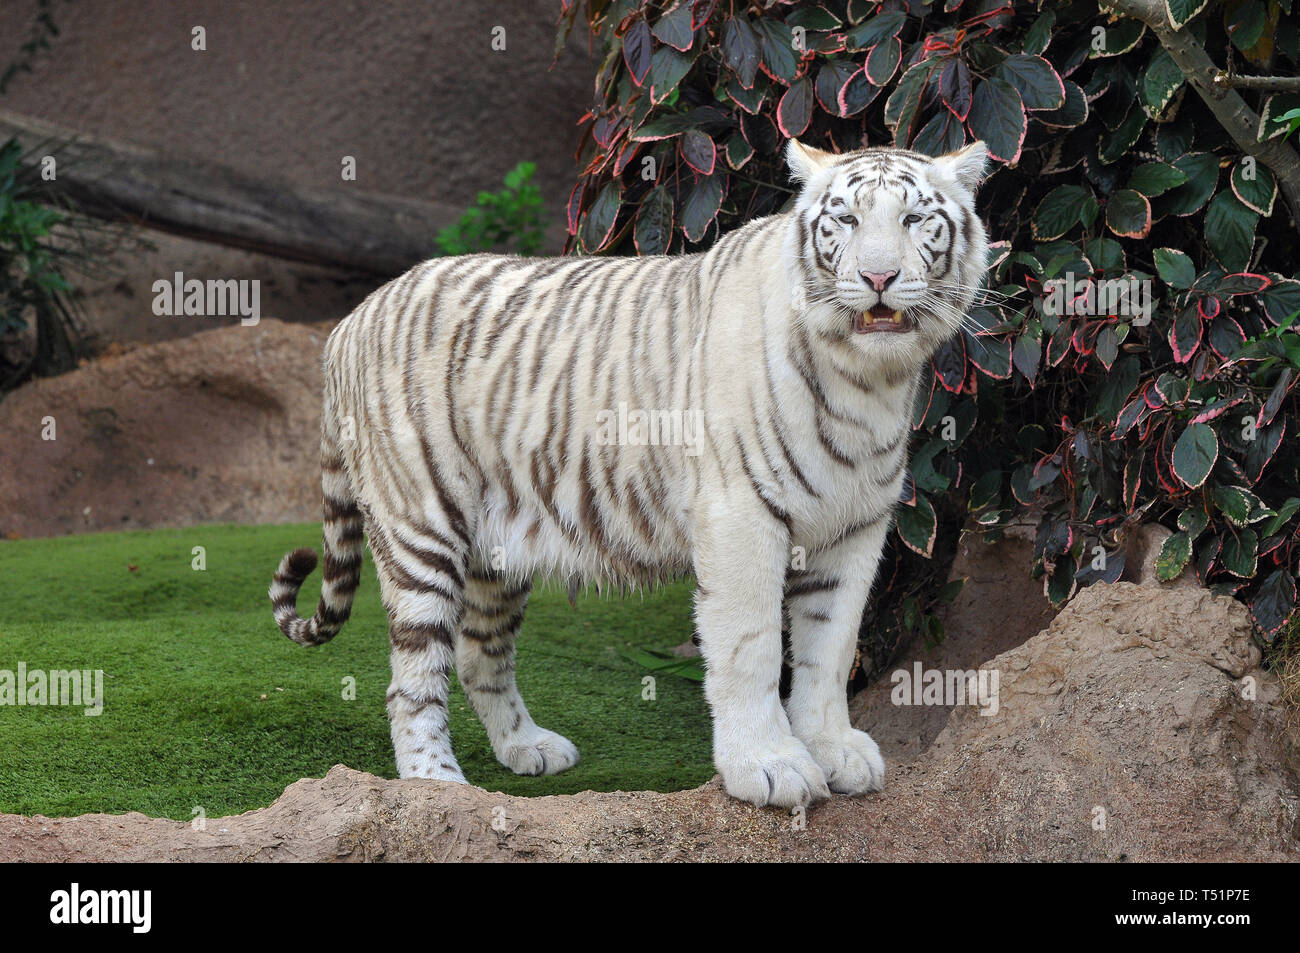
[(341, 227)]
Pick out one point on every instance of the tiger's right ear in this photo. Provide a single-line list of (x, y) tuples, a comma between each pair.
[(806, 161)]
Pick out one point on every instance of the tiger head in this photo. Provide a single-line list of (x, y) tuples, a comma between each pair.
[(889, 251)]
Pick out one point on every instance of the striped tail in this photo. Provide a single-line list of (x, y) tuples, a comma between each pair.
[(344, 537)]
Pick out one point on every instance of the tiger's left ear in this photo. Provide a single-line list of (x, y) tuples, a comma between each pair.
[(806, 161), (968, 165)]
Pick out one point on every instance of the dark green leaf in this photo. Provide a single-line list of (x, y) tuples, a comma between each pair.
[(740, 49), (794, 112), (998, 117), (1254, 185), (1240, 553), (1038, 83), (1274, 603), (598, 224), (1060, 210), (1156, 178), (1128, 214), (917, 526), (637, 50), (1230, 231), (654, 222), (779, 56), (1195, 454), (667, 67), (883, 60), (1161, 80), (1181, 11), (1175, 268), (1174, 554), (701, 206), (872, 31)]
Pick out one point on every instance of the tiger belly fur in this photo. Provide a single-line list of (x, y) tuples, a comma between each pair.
[(462, 432)]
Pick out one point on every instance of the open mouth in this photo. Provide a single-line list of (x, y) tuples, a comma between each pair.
[(881, 318)]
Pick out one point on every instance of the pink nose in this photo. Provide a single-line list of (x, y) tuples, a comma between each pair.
[(879, 281)]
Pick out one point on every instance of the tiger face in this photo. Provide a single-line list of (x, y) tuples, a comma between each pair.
[(891, 252)]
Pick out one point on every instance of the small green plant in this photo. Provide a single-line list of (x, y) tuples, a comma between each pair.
[(1292, 118), (32, 282), (508, 220)]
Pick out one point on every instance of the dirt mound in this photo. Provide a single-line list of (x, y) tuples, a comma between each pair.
[(1136, 726), (221, 426)]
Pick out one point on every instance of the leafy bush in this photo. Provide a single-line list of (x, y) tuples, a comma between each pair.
[(508, 220), (1066, 405), (31, 272)]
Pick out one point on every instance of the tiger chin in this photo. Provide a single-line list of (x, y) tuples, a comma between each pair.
[(462, 436)]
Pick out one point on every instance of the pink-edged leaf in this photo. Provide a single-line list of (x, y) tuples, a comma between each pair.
[(1133, 412), (917, 526), (831, 80), (698, 150), (597, 226), (1039, 85), (701, 10), (573, 209), (653, 232), (1128, 214), (991, 355), (856, 94), (997, 116), (955, 87), (1242, 283), (1195, 453), (1226, 336), (1262, 448), (638, 48), (625, 156), (1185, 334), (701, 205), (883, 59), (794, 112), (1274, 603), (675, 28), (741, 49), (1274, 400), (1216, 409), (1132, 480), (950, 364)]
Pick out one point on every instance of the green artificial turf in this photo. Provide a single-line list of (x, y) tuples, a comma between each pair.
[(207, 705)]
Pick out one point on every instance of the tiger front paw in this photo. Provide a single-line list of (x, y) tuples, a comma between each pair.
[(850, 760), (781, 776)]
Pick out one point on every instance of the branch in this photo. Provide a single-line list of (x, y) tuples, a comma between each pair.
[(1271, 84), (340, 227), (1240, 121)]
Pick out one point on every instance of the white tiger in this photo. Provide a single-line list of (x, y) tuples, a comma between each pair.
[(464, 407)]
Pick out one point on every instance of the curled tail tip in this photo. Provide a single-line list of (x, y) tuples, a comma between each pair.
[(299, 564), (294, 568)]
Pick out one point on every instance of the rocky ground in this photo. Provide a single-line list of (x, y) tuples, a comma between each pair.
[(1135, 725)]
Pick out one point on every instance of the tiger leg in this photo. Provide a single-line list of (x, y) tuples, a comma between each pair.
[(741, 553), (421, 578), (485, 664), (825, 604)]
